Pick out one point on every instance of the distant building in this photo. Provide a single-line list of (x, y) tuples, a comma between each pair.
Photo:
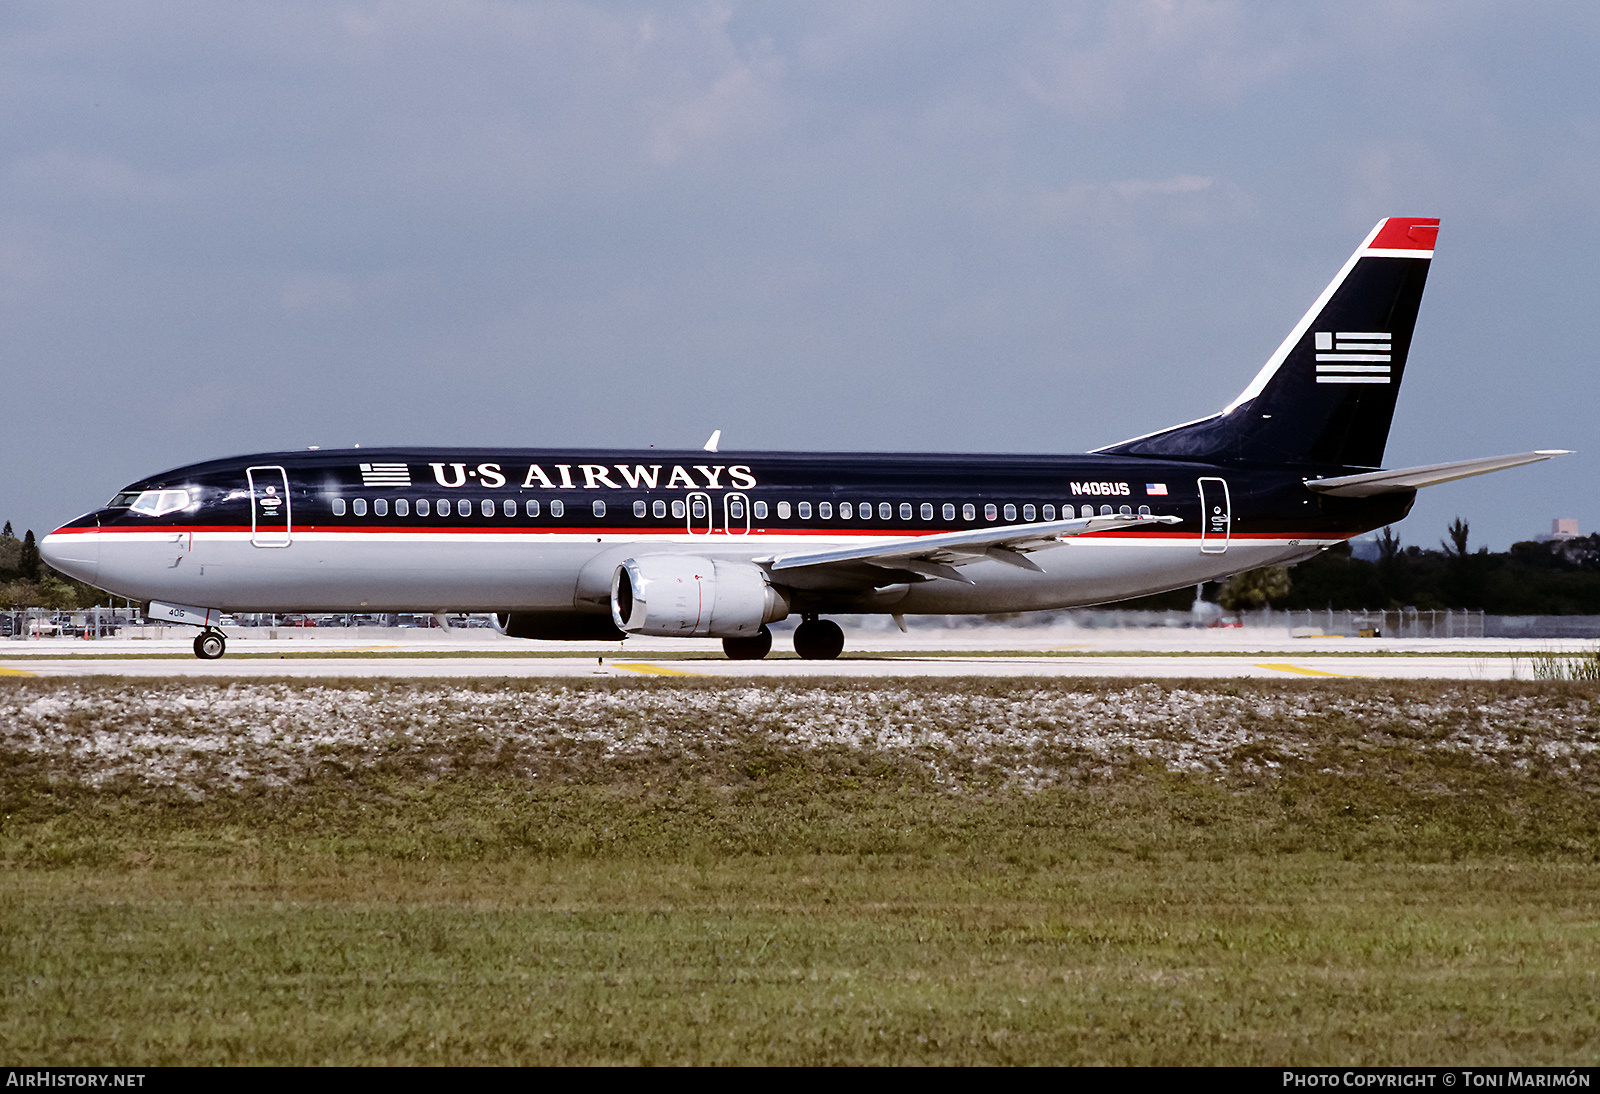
[(1562, 528)]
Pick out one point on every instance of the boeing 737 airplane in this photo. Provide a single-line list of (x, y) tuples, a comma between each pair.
[(580, 544)]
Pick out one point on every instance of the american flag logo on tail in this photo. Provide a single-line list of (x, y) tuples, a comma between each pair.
[(1353, 357), (1156, 489), (385, 474)]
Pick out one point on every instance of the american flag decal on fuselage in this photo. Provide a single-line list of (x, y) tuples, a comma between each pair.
[(1353, 357), (385, 474)]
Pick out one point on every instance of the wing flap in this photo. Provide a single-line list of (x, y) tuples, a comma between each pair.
[(939, 555)]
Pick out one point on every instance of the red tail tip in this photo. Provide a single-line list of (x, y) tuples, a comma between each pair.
[(1406, 234)]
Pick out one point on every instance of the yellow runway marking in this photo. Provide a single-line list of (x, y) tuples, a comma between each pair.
[(655, 670), (16, 672), (1073, 646), (1308, 672)]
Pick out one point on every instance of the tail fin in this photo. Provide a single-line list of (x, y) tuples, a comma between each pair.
[(1326, 397)]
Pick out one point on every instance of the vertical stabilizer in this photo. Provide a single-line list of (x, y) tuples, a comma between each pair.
[(1327, 396)]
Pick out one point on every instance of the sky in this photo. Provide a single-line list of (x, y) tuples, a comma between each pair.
[(1025, 227)]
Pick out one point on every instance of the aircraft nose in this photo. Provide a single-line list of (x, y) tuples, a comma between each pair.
[(73, 551)]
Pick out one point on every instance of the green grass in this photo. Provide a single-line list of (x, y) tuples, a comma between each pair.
[(1368, 898), (1583, 666)]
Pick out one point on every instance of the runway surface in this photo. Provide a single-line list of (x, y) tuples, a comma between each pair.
[(986, 651)]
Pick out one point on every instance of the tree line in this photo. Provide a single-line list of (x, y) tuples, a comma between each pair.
[(1560, 577), (27, 581)]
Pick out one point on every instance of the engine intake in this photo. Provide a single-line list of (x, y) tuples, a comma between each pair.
[(685, 596)]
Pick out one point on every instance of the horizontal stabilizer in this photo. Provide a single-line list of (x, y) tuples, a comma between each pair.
[(938, 555), (1412, 478)]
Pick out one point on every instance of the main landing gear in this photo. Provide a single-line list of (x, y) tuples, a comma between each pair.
[(753, 648), (818, 639), (814, 639), (210, 645)]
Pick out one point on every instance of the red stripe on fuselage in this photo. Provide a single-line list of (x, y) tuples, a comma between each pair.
[(832, 533)]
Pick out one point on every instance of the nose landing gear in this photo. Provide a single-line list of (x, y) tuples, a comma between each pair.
[(210, 645), (818, 639)]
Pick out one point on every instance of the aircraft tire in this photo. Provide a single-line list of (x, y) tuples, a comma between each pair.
[(753, 648), (210, 645), (819, 640)]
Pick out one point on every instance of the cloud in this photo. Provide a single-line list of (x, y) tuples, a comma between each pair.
[(1105, 60), (317, 292), (60, 172)]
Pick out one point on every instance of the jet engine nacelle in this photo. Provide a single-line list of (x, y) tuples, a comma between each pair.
[(685, 596)]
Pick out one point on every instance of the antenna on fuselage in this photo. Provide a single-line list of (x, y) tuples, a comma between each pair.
[(716, 439)]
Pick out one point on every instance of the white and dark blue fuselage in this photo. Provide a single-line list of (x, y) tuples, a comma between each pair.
[(598, 544), (484, 530)]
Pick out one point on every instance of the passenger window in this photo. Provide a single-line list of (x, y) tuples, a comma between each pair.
[(443, 507), (463, 507), (359, 507), (1105, 510), (825, 510), (886, 511), (1011, 512), (1027, 512), (1126, 510), (846, 510), (402, 507), (423, 507), (1049, 512), (905, 510), (735, 509), (530, 507), (783, 510), (949, 511), (927, 510), (699, 508), (804, 510), (558, 508), (658, 509), (338, 507), (760, 510), (486, 507), (969, 512), (677, 510), (990, 512), (508, 508), (1144, 510), (640, 508), (381, 507), (598, 508)]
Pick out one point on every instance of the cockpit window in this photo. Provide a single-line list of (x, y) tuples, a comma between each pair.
[(123, 500), (158, 503)]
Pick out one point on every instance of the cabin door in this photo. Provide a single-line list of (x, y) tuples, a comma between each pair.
[(701, 519), (736, 514), (1216, 516), (269, 506)]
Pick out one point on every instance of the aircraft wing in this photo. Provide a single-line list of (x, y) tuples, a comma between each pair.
[(1411, 478), (941, 555)]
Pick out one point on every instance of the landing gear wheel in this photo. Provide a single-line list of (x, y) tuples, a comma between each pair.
[(818, 640), (210, 645), (754, 648)]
